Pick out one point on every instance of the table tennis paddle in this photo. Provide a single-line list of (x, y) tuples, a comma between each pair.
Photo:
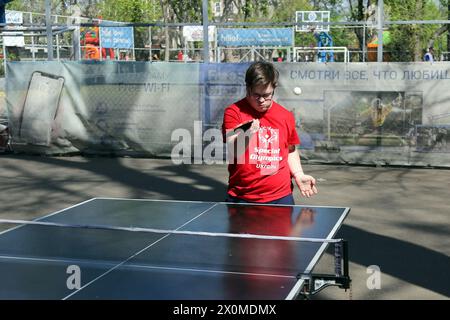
[(244, 126)]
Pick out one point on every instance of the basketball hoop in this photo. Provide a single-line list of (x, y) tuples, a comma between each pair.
[(304, 18)]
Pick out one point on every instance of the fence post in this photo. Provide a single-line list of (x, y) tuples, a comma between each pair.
[(48, 24), (205, 31)]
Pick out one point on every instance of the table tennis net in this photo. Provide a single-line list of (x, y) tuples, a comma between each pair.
[(168, 231)]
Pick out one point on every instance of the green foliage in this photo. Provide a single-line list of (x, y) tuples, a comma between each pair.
[(255, 10), (26, 5), (130, 10), (284, 11), (60, 7), (410, 41), (186, 11)]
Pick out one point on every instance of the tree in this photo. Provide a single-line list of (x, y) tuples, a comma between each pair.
[(178, 11), (361, 12), (129, 10), (448, 30), (443, 29), (410, 41)]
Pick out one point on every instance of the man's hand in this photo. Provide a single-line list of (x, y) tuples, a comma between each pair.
[(306, 184), (255, 126), (238, 140)]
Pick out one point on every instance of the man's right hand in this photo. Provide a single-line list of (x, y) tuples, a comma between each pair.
[(255, 126)]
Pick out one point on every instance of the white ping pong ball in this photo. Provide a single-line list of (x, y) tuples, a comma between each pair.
[(297, 90)]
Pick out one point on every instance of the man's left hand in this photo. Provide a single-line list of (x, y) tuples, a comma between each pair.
[(306, 184)]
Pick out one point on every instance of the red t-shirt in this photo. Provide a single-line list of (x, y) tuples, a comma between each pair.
[(262, 173)]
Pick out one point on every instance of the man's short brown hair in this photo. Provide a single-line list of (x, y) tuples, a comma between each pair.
[(261, 73)]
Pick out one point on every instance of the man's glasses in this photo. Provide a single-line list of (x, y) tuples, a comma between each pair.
[(266, 96)]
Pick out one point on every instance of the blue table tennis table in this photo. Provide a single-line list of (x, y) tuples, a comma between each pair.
[(107, 248)]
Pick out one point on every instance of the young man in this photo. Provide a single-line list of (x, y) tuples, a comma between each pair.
[(261, 139)]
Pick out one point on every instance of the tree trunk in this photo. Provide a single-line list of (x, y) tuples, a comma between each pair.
[(437, 34), (165, 10), (359, 16), (418, 46), (360, 31), (448, 30), (227, 13)]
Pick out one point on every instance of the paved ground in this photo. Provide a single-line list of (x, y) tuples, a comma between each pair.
[(400, 218)]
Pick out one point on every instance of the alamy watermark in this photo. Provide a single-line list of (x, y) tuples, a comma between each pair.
[(73, 282), (208, 147), (374, 280)]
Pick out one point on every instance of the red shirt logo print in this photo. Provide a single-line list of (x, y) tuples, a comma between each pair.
[(267, 153)]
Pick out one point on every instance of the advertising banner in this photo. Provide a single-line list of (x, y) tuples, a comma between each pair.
[(239, 37), (117, 37), (359, 113)]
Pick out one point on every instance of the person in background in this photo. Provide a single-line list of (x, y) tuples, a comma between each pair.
[(429, 55)]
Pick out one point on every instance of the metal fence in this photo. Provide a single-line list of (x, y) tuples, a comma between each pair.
[(164, 42)]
